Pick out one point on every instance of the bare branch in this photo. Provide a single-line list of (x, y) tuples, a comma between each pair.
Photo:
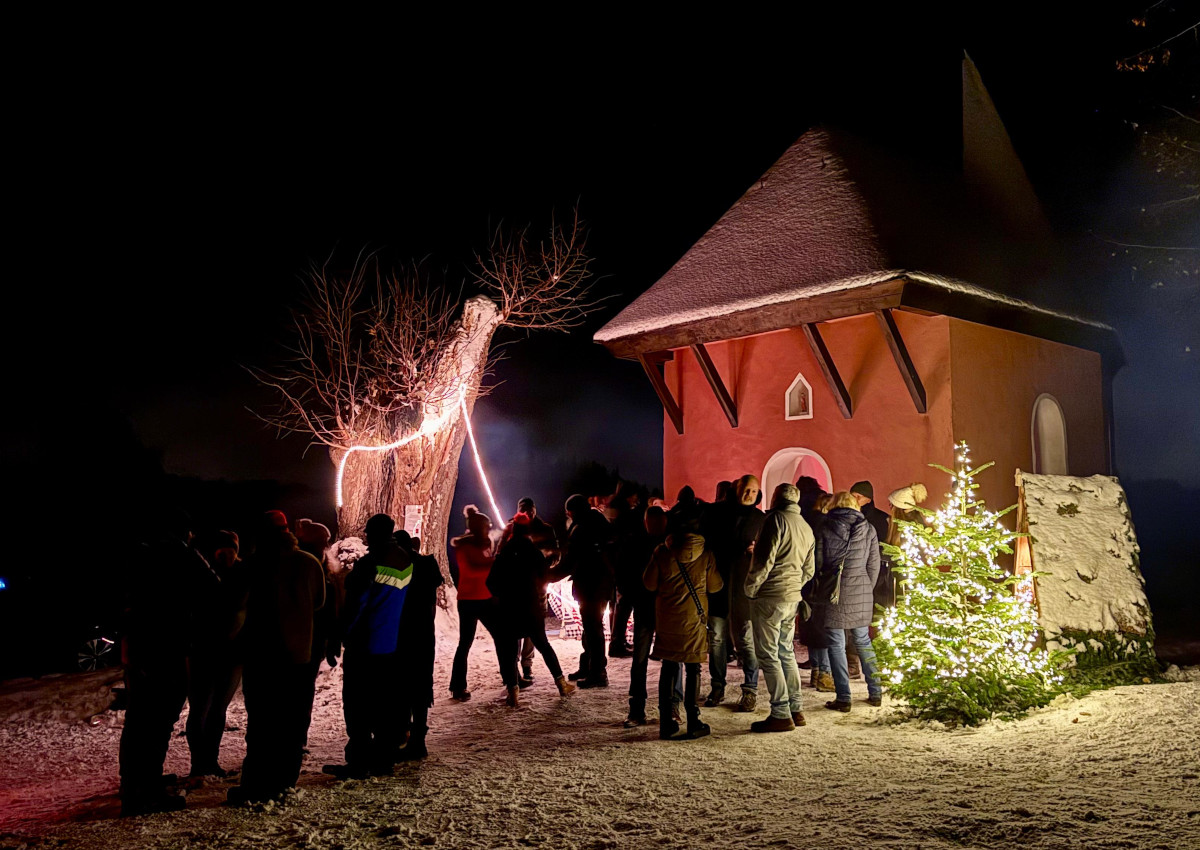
[(547, 287)]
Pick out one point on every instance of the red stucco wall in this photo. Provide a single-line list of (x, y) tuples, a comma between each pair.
[(997, 377), (886, 442)]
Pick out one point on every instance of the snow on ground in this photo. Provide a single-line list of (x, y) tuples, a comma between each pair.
[(1117, 769)]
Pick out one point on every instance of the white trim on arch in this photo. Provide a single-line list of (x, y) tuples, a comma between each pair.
[(1048, 436), (789, 459)]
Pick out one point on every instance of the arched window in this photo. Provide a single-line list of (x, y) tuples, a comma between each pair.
[(1049, 432), (798, 403), (787, 465)]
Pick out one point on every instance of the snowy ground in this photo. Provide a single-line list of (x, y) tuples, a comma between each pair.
[(1117, 769)]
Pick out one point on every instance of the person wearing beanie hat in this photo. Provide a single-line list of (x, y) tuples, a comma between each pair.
[(586, 561), (783, 563), (215, 662), (314, 538)]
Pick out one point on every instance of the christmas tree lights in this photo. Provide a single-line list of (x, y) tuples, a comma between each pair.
[(960, 645)]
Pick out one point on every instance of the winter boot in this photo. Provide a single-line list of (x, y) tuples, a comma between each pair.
[(748, 701), (715, 697), (667, 729), (773, 724), (825, 683), (564, 687), (853, 666), (798, 718), (513, 699), (577, 675), (617, 649), (875, 701), (600, 681), (838, 705), (696, 729), (460, 696), (415, 749), (526, 679), (813, 676)]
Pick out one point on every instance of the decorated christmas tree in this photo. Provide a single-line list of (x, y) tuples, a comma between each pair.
[(960, 645)]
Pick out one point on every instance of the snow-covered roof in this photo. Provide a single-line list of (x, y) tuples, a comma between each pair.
[(836, 214)]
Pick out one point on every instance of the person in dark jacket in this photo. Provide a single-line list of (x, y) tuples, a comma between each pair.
[(586, 560), (474, 554), (169, 582), (518, 582), (215, 663), (287, 589), (314, 538), (417, 647), (628, 527), (864, 494), (543, 536), (375, 593), (847, 543), (731, 531)]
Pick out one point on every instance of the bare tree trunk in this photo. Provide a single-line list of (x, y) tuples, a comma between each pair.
[(425, 471)]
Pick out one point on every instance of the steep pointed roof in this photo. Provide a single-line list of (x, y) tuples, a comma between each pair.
[(840, 226)]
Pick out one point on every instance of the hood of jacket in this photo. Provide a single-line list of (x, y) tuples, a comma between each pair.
[(687, 547)]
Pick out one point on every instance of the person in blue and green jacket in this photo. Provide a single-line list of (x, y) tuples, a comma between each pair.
[(375, 592)]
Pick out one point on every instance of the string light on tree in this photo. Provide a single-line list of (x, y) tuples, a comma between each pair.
[(960, 645)]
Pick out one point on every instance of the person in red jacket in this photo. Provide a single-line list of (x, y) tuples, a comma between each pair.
[(474, 554)]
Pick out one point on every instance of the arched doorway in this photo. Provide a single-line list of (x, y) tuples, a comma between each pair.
[(1049, 433), (786, 465)]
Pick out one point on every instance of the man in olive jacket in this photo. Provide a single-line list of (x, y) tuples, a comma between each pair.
[(783, 564)]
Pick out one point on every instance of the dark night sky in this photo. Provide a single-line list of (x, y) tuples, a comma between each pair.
[(170, 203)]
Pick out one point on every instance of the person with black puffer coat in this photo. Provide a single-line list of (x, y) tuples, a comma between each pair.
[(843, 594), (518, 582)]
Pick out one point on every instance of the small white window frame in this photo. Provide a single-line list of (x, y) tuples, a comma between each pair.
[(787, 399)]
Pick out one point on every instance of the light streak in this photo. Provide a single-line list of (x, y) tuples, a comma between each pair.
[(429, 426), (462, 400)]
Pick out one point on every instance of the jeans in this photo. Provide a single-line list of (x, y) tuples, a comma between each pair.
[(719, 636), (643, 638), (532, 631), (594, 661), (819, 658), (274, 689), (668, 681), (866, 657), (472, 612), (774, 631)]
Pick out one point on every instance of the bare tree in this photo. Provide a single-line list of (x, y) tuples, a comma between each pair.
[(382, 370)]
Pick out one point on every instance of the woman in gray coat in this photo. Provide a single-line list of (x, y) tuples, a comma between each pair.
[(847, 543)]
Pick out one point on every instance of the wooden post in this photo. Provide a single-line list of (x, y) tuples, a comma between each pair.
[(829, 369), (903, 362), (718, 386), (664, 393)]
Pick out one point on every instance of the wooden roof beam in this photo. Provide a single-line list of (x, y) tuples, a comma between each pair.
[(660, 386), (891, 333), (718, 386), (829, 369)]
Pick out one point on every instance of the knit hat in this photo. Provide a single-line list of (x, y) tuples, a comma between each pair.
[(521, 518), (787, 492), (278, 519), (864, 488), (907, 498), (312, 533)]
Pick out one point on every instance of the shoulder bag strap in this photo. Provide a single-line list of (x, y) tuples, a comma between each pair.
[(691, 590)]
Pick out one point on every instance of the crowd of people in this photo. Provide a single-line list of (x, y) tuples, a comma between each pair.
[(702, 581)]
